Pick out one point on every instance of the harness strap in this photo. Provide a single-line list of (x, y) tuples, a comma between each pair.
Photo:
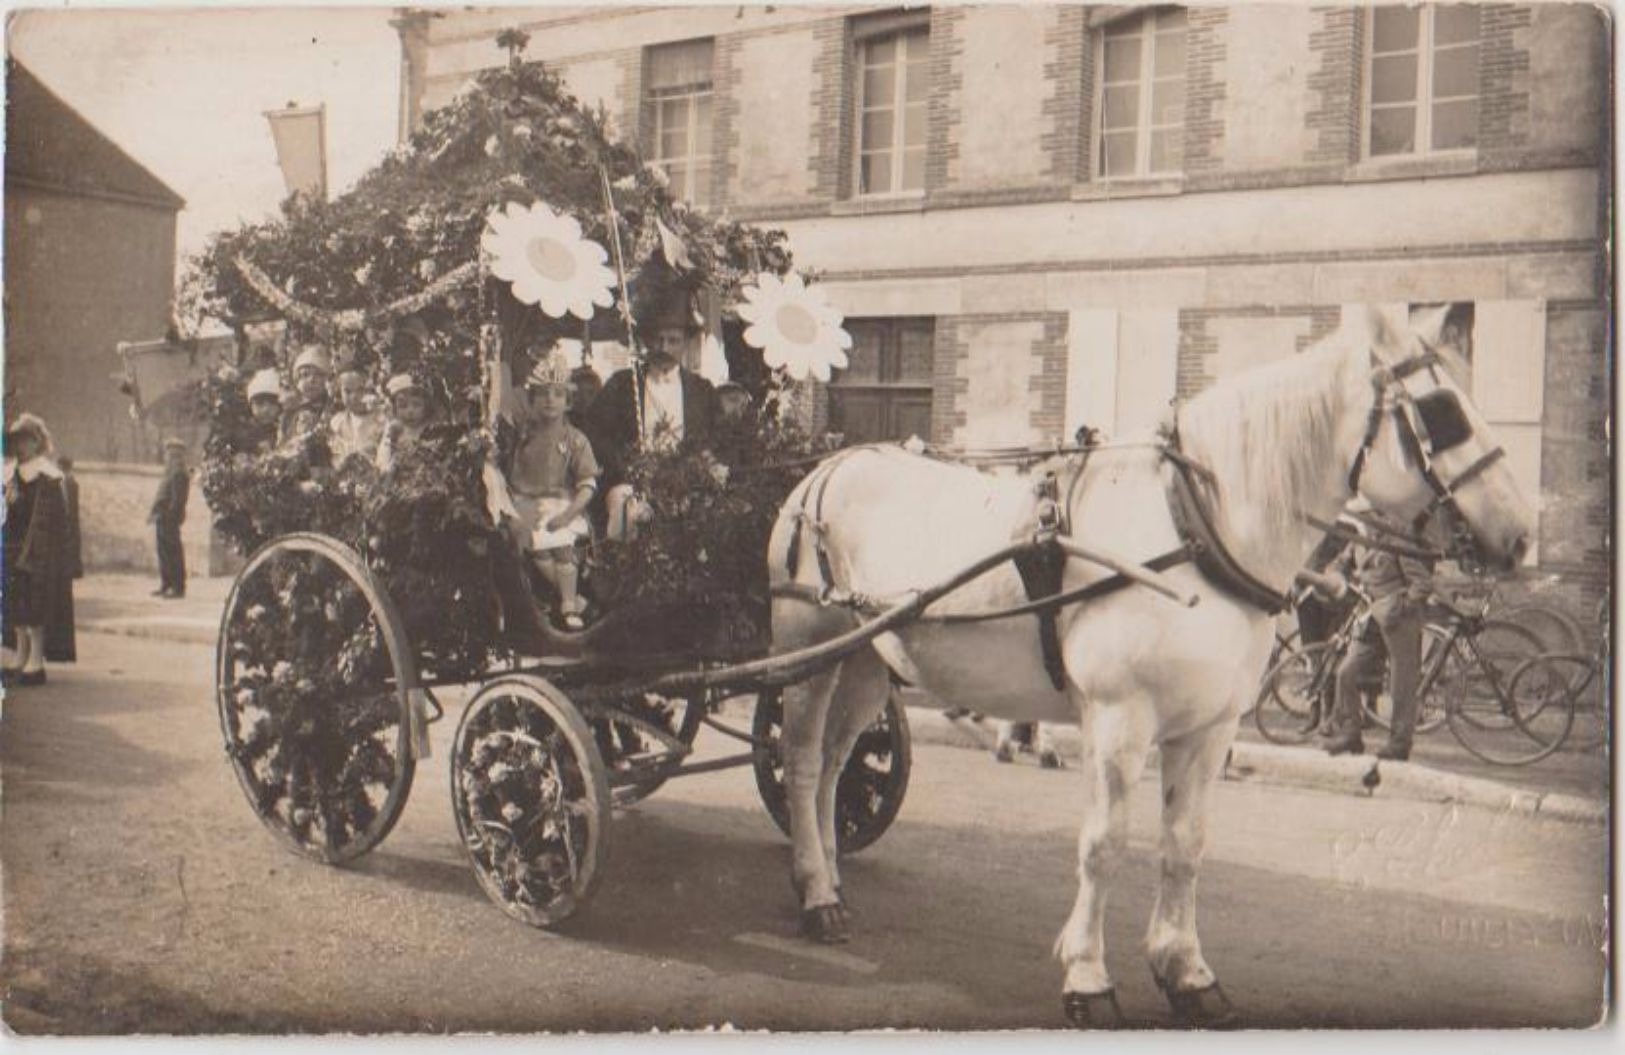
[(1474, 470), (1194, 522), (1041, 569), (864, 604), (1109, 585), (817, 485)]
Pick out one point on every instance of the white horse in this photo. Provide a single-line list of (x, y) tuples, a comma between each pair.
[(1291, 438)]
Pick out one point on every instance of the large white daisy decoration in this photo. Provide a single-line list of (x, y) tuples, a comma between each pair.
[(550, 264), (794, 325)]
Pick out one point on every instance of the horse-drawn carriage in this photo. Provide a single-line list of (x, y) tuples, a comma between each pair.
[(326, 743), (877, 569), (326, 748)]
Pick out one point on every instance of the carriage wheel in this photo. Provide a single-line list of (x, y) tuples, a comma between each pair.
[(312, 680), (531, 798), (626, 749), (871, 786)]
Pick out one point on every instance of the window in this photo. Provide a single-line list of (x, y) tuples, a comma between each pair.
[(679, 96), (1141, 93), (1423, 80), (885, 391), (893, 83)]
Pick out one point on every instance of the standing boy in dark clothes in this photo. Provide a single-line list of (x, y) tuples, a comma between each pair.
[(168, 513)]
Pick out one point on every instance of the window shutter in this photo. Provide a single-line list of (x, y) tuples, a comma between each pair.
[(1147, 367), (1509, 386), (1509, 360), (1091, 372)]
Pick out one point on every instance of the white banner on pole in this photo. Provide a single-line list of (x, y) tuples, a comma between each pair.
[(300, 133)]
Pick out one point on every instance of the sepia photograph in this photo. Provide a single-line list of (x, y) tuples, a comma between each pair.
[(807, 519)]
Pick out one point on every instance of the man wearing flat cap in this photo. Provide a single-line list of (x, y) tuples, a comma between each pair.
[(657, 403)]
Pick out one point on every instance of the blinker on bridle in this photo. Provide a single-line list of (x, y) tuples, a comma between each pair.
[(1411, 424)]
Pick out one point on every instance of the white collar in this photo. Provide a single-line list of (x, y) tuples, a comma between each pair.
[(39, 465)]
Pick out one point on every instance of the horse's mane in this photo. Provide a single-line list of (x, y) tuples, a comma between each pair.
[(1268, 434)]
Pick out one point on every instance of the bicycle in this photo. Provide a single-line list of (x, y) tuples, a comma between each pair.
[(1578, 675), (1466, 679), (1298, 690)]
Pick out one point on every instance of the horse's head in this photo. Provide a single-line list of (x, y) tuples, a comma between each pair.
[(1428, 449)]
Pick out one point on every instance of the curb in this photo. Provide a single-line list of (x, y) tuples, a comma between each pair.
[(177, 630), (1360, 776)]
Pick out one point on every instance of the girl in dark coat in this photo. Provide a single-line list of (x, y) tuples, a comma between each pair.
[(36, 513)]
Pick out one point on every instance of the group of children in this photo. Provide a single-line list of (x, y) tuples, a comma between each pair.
[(552, 477), (356, 429)]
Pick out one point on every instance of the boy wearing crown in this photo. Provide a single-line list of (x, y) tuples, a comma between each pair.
[(552, 479)]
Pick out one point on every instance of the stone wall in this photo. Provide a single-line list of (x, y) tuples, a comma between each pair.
[(113, 504)]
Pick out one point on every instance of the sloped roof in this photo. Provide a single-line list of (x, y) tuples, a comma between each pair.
[(49, 143)]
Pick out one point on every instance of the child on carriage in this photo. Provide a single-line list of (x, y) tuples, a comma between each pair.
[(357, 429), (265, 407), (410, 402), (552, 478), (310, 408)]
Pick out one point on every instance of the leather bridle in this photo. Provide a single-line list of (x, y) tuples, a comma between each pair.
[(1392, 398)]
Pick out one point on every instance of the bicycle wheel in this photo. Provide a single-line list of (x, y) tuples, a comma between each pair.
[(1590, 728), (1557, 630), (1476, 687), (1430, 714), (1295, 692), (1511, 726)]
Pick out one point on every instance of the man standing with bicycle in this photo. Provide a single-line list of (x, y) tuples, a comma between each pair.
[(1399, 585)]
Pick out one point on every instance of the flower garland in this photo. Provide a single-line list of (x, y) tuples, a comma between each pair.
[(353, 320)]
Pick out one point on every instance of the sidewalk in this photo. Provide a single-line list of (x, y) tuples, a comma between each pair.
[(1571, 786), (123, 604)]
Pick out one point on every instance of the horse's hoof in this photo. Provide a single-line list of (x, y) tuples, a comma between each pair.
[(1205, 1008), (826, 924), (1049, 760), (1093, 1010), (1003, 753)]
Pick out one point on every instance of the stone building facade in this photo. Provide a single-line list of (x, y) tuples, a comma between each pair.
[(1038, 216)]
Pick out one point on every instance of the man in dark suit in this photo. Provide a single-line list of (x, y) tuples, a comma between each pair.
[(168, 513), (657, 403)]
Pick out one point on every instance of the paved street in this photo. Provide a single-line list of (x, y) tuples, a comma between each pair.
[(142, 895)]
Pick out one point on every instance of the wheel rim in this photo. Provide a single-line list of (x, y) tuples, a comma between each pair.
[(531, 800), (872, 784), (309, 665), (1286, 711), (1577, 676), (1511, 720), (1472, 694)]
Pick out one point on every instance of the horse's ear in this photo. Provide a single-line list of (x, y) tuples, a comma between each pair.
[(1428, 324), (1390, 332)]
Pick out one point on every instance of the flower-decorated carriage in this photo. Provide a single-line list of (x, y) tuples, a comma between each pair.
[(504, 228)]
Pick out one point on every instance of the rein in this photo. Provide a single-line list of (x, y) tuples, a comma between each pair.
[(1371, 541)]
